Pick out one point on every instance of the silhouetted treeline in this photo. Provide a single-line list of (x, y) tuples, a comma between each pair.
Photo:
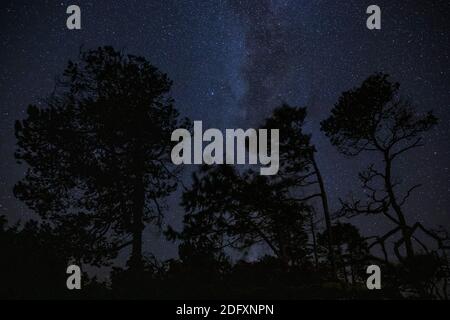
[(33, 264), (99, 171)]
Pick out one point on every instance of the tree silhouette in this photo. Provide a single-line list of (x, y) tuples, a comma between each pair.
[(299, 172), (34, 262), (98, 170), (238, 211), (31, 264), (373, 118), (97, 154), (351, 250)]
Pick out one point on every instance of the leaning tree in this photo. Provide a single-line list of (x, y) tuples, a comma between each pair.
[(97, 154), (299, 174)]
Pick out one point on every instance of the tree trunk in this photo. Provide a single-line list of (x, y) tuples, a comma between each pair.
[(326, 212), (313, 233), (398, 210), (344, 266), (136, 263)]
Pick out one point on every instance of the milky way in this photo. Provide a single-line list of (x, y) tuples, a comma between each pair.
[(232, 62)]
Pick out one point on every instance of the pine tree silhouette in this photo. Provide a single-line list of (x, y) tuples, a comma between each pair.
[(98, 154)]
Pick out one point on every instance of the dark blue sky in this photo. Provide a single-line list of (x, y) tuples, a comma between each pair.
[(233, 61)]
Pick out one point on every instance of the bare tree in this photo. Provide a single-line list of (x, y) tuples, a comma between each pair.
[(374, 118)]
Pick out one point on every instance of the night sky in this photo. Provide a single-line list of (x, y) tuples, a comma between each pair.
[(232, 62)]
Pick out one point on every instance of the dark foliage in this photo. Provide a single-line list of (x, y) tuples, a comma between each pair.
[(98, 170), (33, 265), (98, 154)]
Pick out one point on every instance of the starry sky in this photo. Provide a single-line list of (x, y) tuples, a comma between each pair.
[(233, 61)]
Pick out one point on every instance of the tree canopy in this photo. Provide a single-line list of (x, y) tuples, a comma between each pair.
[(97, 152)]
